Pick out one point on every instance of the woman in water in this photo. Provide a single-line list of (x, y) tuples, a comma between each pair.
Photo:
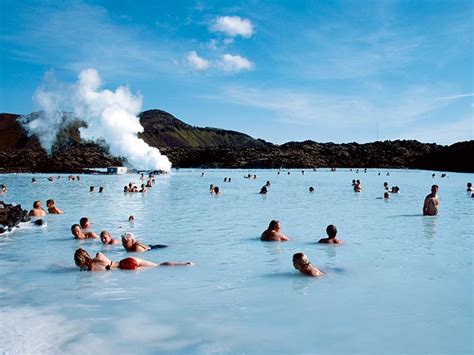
[(303, 265), (106, 238), (102, 263), (273, 233)]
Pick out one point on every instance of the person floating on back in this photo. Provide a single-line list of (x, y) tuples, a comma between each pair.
[(303, 265), (132, 245), (102, 263), (430, 207), (52, 208), (331, 231), (273, 233)]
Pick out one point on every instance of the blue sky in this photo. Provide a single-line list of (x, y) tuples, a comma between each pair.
[(277, 70)]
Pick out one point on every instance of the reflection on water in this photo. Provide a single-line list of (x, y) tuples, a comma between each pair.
[(243, 290)]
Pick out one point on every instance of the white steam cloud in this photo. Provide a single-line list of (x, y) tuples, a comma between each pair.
[(111, 116)]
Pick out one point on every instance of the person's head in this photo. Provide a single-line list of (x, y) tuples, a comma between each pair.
[(50, 203), (105, 237), (125, 189), (385, 184), (300, 261), (128, 239), (142, 186), (434, 189), (216, 190), (131, 219), (311, 189), (84, 222), (37, 204), (101, 189), (274, 225), (91, 189), (386, 195), (331, 231), (82, 259), (76, 230), (358, 182), (469, 185), (353, 181)]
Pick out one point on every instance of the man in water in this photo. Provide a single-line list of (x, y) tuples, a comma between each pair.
[(37, 210), (273, 233), (430, 207), (331, 231), (52, 208), (79, 234), (303, 265)]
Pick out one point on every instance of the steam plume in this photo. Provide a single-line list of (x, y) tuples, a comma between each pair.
[(111, 116)]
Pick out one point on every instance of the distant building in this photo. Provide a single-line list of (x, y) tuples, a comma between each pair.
[(116, 170)]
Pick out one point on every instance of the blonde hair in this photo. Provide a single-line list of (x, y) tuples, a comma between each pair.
[(301, 260), (82, 259), (128, 236)]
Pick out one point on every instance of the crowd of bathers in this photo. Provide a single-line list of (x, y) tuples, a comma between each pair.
[(273, 233)]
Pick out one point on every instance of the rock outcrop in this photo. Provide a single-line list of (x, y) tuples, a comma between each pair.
[(11, 216)]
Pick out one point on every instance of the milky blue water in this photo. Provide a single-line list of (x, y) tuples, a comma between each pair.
[(400, 283)]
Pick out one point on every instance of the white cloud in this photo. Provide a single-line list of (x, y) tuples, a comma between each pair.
[(232, 26), (234, 63), (197, 62)]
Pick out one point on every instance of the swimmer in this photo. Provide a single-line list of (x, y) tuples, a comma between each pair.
[(79, 234), (33, 180), (430, 206), (102, 263), (202, 174), (131, 219), (91, 189), (386, 196), (229, 179), (148, 183), (106, 238), (125, 189), (385, 185), (273, 233), (357, 186), (268, 184), (353, 182), (311, 189), (433, 175), (85, 223), (303, 265), (263, 190), (143, 188), (4, 188), (225, 179), (469, 187), (52, 208), (331, 231), (211, 188), (51, 178), (395, 190), (132, 245), (302, 172), (78, 178), (37, 210), (101, 189), (215, 190)]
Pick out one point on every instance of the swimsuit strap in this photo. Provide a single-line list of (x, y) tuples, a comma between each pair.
[(108, 267)]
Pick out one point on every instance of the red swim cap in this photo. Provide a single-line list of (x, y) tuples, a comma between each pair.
[(128, 264)]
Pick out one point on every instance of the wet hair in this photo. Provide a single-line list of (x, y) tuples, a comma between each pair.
[(300, 258), (273, 224), (434, 187), (263, 190), (83, 221), (131, 218), (82, 259), (386, 195), (101, 189), (311, 189), (127, 236), (50, 201), (216, 189), (331, 231), (104, 233), (469, 184), (91, 188), (74, 226), (37, 204)]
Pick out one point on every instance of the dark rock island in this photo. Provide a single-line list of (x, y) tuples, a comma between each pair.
[(189, 146)]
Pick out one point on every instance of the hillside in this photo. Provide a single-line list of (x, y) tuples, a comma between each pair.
[(188, 146)]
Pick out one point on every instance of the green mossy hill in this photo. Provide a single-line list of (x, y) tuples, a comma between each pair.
[(165, 130)]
